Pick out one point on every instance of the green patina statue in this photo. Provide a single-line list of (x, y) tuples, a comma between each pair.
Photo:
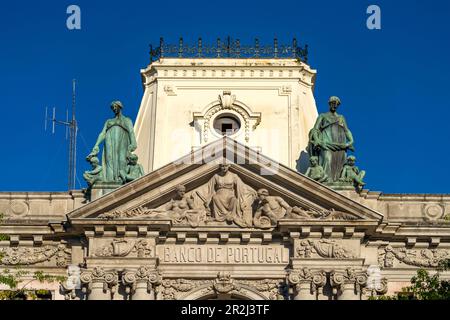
[(330, 139), (119, 142), (351, 174), (133, 169), (315, 171), (93, 175)]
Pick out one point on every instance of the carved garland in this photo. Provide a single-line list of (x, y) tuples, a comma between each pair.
[(28, 256), (419, 258), (173, 289)]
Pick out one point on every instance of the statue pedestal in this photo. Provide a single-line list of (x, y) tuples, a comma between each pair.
[(99, 189), (341, 186)]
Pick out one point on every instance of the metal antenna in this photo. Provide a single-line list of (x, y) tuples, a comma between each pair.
[(71, 127)]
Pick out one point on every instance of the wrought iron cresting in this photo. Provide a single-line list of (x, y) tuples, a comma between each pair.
[(229, 49)]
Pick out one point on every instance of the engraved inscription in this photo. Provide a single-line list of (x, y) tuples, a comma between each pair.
[(223, 254)]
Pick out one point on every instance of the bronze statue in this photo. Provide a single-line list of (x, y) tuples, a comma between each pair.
[(133, 169), (93, 175), (315, 171), (119, 142), (351, 173), (330, 139)]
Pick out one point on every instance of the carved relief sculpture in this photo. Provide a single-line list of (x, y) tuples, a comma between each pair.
[(180, 210), (123, 247), (420, 258), (323, 248), (33, 255), (228, 198), (269, 209)]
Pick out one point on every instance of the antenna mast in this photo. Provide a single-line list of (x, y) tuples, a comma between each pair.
[(71, 126)]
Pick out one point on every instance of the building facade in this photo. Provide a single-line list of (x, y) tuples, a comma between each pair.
[(223, 211)]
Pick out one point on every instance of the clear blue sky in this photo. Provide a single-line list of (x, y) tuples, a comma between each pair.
[(393, 82)]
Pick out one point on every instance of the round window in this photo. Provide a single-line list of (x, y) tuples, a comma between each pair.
[(226, 124)]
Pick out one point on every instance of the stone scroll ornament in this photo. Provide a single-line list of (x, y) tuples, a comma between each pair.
[(109, 278), (119, 164), (33, 255), (420, 258), (315, 279), (146, 275), (349, 276)]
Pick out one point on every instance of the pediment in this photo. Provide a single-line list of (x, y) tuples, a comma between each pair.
[(155, 195)]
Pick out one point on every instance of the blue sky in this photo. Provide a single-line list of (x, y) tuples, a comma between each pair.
[(393, 82)]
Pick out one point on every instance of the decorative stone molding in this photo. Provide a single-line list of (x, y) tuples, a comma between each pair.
[(272, 289), (122, 248), (140, 283), (227, 99), (433, 211), (227, 102), (169, 90), (33, 255), (323, 248), (348, 284), (100, 284), (223, 284), (419, 258), (375, 291), (306, 283), (18, 208), (172, 289)]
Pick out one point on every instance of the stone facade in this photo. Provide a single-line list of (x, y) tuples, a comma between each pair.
[(325, 254), (295, 237)]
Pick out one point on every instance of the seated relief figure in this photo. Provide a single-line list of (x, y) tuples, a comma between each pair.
[(351, 174), (315, 171), (227, 198)]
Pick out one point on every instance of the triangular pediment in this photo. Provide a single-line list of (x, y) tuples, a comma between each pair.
[(150, 196)]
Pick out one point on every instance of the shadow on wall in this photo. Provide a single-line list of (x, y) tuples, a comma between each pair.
[(302, 162)]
